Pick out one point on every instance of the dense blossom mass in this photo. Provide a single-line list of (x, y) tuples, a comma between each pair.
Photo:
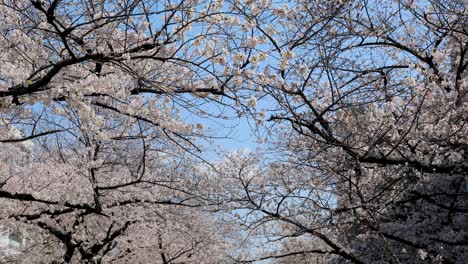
[(110, 112)]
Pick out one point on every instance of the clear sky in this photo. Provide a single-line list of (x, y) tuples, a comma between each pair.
[(228, 134)]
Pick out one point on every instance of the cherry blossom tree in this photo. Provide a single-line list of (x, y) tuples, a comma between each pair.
[(96, 158), (367, 162), (81, 198)]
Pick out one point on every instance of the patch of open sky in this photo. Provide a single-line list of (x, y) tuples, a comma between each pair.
[(224, 129)]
